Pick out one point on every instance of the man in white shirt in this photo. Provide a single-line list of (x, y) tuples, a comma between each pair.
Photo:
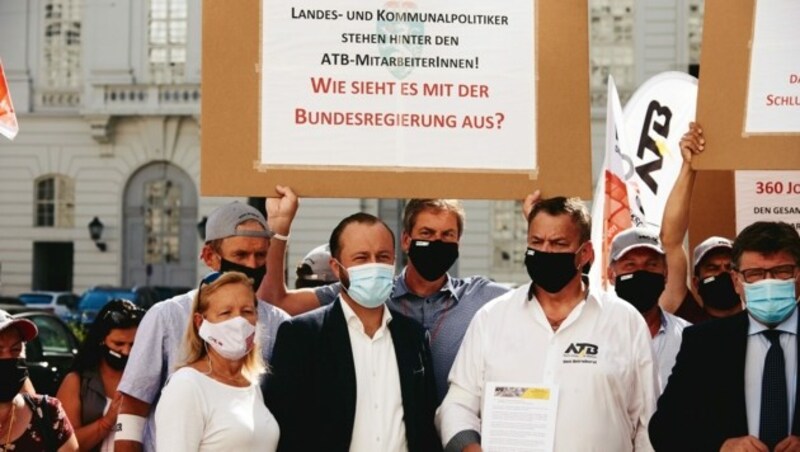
[(638, 270), (353, 375), (594, 347)]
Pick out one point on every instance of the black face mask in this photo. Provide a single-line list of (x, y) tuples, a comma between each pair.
[(432, 259), (13, 373), (718, 292), (550, 271), (640, 288), (256, 274), (115, 360)]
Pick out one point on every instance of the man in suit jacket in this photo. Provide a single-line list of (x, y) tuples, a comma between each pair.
[(713, 400), (353, 375)]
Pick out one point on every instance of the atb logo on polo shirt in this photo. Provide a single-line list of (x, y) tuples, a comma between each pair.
[(580, 352)]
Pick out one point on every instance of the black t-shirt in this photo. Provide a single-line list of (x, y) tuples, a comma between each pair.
[(691, 311)]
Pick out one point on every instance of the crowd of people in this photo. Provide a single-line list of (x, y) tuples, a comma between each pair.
[(359, 358)]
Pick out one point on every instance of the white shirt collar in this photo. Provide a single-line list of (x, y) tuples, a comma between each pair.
[(354, 322), (590, 301)]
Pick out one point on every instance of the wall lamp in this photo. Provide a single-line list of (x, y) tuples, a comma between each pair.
[(96, 233)]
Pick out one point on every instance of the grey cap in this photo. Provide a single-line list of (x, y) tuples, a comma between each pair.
[(26, 328), (318, 260), (707, 246), (224, 220), (633, 238)]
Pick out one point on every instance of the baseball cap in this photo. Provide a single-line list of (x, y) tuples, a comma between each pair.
[(25, 327), (318, 260), (708, 245), (222, 222), (634, 238)]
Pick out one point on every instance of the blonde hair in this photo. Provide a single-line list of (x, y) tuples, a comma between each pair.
[(194, 345)]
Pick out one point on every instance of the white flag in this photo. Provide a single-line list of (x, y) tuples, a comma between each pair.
[(611, 209)]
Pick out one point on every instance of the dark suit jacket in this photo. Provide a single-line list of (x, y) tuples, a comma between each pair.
[(311, 390), (704, 401)]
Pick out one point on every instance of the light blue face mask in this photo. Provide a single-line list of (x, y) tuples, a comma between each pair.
[(770, 301), (370, 284)]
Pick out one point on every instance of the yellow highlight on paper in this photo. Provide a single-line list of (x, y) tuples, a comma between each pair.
[(536, 393)]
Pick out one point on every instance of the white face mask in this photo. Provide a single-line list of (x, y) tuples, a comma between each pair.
[(232, 338)]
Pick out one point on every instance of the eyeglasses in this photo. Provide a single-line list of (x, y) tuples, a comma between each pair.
[(752, 275)]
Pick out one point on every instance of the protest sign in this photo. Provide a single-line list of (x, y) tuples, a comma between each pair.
[(399, 84), (767, 196), (773, 91), (540, 139), (727, 65)]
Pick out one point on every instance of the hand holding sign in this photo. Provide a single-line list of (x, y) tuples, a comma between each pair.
[(692, 142)]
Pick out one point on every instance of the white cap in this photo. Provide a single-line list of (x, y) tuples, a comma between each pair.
[(708, 245), (633, 238)]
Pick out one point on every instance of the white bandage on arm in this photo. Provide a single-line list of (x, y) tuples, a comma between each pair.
[(130, 427)]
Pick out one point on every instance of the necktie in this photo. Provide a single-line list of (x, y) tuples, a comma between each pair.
[(774, 425)]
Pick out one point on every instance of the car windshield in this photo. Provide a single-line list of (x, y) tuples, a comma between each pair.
[(96, 299), (34, 298)]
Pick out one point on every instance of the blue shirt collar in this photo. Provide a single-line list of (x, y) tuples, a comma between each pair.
[(401, 288)]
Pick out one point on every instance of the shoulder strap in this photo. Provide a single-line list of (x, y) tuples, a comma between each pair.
[(30, 402), (42, 419)]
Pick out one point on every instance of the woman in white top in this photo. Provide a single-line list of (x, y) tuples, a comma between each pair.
[(213, 402)]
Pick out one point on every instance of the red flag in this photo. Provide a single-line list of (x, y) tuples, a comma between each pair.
[(8, 119)]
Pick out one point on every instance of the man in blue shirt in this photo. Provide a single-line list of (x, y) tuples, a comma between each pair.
[(423, 291)]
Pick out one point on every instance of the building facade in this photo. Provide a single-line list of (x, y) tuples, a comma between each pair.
[(108, 94)]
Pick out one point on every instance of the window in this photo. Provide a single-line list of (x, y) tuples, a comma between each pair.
[(166, 26), (695, 31), (162, 222), (510, 233), (55, 202), (61, 48), (611, 49)]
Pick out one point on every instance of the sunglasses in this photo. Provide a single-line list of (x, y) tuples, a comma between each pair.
[(126, 314), (208, 279)]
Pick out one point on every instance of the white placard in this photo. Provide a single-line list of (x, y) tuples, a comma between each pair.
[(519, 417), (434, 84), (767, 196), (773, 93)]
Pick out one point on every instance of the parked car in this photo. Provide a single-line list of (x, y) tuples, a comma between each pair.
[(49, 355), (93, 300), (167, 292), (62, 304), (14, 301)]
